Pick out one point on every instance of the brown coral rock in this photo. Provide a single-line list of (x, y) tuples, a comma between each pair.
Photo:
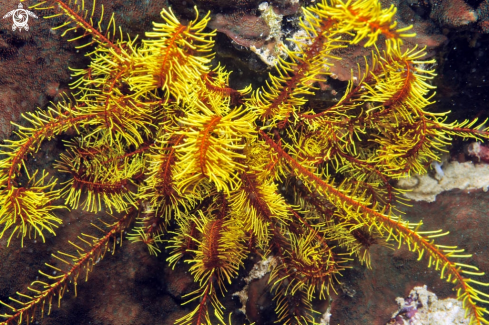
[(245, 30)]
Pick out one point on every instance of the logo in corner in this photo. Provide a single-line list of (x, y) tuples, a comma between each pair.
[(20, 17)]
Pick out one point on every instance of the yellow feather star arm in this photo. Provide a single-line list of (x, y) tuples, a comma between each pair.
[(29, 209), (104, 179), (84, 254), (79, 17), (173, 56), (257, 203), (366, 19), (218, 255), (212, 149)]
